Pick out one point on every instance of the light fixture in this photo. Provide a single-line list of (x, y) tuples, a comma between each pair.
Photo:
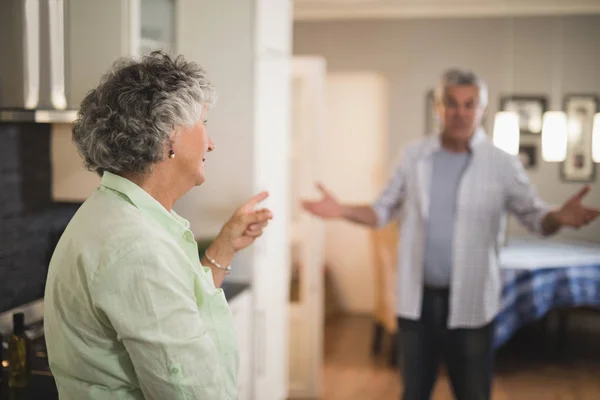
[(596, 139), (506, 131), (554, 136)]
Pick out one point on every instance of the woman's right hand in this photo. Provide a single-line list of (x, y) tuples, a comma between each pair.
[(328, 207), (246, 224), (240, 231)]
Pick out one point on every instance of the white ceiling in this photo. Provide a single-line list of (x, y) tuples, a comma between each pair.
[(386, 9)]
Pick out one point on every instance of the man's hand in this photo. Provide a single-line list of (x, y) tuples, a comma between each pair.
[(575, 214), (328, 207)]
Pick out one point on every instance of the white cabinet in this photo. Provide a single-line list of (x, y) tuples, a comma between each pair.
[(100, 32), (97, 36), (272, 172), (271, 257), (157, 25), (241, 308), (273, 26)]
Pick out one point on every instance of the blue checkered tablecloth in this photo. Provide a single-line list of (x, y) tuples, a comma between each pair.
[(540, 275)]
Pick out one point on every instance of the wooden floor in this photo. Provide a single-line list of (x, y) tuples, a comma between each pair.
[(523, 373)]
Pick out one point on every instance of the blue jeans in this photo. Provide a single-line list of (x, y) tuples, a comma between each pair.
[(467, 353)]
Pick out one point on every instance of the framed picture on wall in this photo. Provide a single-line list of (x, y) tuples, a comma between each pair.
[(530, 110), (580, 110), (528, 155), (432, 119)]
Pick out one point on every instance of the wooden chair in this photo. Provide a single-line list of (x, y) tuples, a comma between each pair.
[(384, 244)]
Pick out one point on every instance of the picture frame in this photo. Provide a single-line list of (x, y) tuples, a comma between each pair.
[(578, 165), (528, 154), (432, 119), (530, 110)]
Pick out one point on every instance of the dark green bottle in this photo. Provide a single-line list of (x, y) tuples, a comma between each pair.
[(18, 367), (1, 363)]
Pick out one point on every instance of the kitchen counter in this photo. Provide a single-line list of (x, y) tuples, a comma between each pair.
[(42, 385), (233, 289), (41, 382)]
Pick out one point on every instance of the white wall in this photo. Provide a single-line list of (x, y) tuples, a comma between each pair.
[(70, 180), (412, 53)]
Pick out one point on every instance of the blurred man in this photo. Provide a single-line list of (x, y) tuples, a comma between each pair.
[(453, 191)]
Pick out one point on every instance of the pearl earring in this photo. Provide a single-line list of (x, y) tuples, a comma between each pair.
[(171, 153)]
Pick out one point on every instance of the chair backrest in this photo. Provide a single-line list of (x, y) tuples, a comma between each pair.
[(384, 243)]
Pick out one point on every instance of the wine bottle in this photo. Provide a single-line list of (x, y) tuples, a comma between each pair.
[(18, 367), (1, 363)]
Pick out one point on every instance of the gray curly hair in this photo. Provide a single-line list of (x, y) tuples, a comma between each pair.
[(459, 77), (123, 124)]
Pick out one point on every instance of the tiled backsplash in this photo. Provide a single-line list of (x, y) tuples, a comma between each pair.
[(30, 223)]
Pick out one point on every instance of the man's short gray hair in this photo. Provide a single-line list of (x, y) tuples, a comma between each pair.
[(124, 124), (461, 77)]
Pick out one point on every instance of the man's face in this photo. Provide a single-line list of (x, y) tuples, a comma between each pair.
[(460, 111)]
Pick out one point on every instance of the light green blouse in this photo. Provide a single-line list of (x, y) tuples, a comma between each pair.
[(129, 312)]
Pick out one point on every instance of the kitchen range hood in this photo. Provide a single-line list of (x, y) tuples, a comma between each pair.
[(39, 116), (32, 62)]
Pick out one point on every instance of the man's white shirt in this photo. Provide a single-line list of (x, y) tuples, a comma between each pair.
[(493, 183)]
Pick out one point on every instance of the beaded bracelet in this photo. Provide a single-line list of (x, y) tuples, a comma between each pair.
[(216, 264)]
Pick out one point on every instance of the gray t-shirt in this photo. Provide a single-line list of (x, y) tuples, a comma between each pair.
[(448, 168)]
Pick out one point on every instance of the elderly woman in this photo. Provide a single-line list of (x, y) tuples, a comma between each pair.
[(131, 312)]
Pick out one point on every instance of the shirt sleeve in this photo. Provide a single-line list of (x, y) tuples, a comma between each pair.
[(522, 199), (152, 307), (390, 200)]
